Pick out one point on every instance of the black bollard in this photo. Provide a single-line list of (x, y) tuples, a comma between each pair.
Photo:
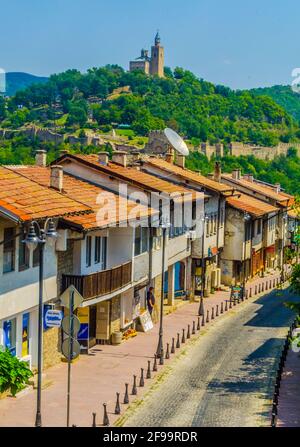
[(230, 304), (167, 352), (142, 382), (270, 284), (134, 388), (161, 360), (274, 283), (148, 376), (226, 306), (183, 336), (250, 292), (173, 346), (267, 285), (94, 420), (221, 310), (117, 407), (263, 287), (212, 313), (178, 341), (155, 363), (247, 293), (217, 310), (188, 335), (203, 321), (198, 324), (255, 290), (105, 417), (201, 308), (126, 397), (207, 317), (194, 328), (259, 288)]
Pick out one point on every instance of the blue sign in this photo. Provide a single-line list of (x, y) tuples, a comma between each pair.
[(83, 333), (53, 318)]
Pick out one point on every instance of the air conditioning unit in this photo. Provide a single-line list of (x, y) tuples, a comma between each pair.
[(191, 235)]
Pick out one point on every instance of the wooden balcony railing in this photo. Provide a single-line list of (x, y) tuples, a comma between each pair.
[(100, 283)]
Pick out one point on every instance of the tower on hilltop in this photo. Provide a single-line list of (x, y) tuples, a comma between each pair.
[(153, 65)]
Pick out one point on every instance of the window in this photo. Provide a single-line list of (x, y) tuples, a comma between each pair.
[(215, 223), (221, 217), (211, 225), (88, 251), (248, 231), (9, 331), (23, 254), (100, 251), (140, 240), (207, 226), (258, 227), (9, 250)]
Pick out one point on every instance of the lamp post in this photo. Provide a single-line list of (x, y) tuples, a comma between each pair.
[(247, 217), (37, 236), (160, 348)]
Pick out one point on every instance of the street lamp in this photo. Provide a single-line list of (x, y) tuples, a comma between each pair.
[(201, 306), (247, 217), (38, 236), (165, 225)]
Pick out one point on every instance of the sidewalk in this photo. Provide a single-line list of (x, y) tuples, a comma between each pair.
[(97, 377), (289, 397)]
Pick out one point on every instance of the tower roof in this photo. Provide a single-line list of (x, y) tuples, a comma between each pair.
[(157, 38)]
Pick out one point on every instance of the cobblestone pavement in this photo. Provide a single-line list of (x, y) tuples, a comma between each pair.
[(224, 378), (289, 397)]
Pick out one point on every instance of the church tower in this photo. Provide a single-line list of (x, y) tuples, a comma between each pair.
[(157, 58)]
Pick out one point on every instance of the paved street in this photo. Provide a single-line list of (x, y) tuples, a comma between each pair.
[(226, 377)]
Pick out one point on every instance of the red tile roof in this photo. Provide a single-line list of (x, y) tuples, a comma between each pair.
[(251, 205), (87, 194), (28, 200)]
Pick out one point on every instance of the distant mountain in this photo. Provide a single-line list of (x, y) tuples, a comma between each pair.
[(17, 81), (284, 96)]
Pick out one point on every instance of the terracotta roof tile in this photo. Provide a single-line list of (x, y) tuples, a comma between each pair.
[(30, 200), (251, 205), (188, 174), (87, 194)]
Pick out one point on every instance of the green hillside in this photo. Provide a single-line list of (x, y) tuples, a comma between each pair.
[(198, 109), (17, 81), (284, 96)]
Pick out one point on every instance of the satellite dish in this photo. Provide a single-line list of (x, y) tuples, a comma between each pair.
[(176, 142)]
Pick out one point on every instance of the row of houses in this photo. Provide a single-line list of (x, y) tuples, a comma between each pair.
[(108, 215)]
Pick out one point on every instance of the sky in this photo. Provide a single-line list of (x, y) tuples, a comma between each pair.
[(239, 43)]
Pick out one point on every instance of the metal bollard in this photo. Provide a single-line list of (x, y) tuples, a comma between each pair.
[(183, 336), (250, 292), (194, 328), (134, 388), (226, 306), (207, 317), (117, 407), (201, 308), (167, 352), (188, 335), (94, 420), (126, 397), (173, 346), (263, 287), (230, 304), (217, 310), (221, 310), (155, 363), (212, 313), (198, 324), (105, 417), (148, 376), (142, 382), (178, 341), (259, 288), (255, 290)]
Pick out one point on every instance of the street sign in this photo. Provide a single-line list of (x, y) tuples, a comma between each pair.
[(73, 347), (53, 318), (67, 324), (65, 297)]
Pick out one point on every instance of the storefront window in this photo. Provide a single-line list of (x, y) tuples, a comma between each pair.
[(9, 329), (25, 334)]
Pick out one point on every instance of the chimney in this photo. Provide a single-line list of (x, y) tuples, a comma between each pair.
[(41, 158), (217, 172), (63, 152), (248, 177), (103, 158), (277, 187), (56, 177), (180, 160), (170, 155), (120, 157), (236, 174), (135, 156)]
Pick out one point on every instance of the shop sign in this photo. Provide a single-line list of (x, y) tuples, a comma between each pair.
[(53, 318), (146, 321), (83, 315)]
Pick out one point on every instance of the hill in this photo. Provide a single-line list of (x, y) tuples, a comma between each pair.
[(199, 110), (284, 96), (17, 81)]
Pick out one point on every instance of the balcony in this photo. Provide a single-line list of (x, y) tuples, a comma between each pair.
[(100, 283)]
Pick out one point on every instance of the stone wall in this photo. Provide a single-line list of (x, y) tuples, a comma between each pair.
[(157, 143), (51, 346), (115, 322), (262, 152)]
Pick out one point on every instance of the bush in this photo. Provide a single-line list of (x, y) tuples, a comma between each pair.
[(14, 374)]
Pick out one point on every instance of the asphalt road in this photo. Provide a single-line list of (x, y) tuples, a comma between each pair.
[(226, 376)]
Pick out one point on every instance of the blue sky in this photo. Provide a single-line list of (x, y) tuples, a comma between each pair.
[(241, 43)]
